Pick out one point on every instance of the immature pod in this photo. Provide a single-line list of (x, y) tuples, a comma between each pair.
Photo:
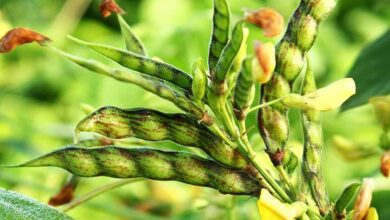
[(199, 82), (148, 163), (152, 125), (312, 151), (133, 43), (220, 32), (179, 97), (290, 51), (244, 91), (231, 50), (142, 64)]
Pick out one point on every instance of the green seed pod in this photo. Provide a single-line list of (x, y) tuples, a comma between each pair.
[(142, 64), (231, 51), (298, 39), (289, 60), (346, 197), (312, 151), (244, 91), (199, 83), (152, 125), (148, 163), (133, 44), (290, 161), (220, 33), (179, 97)]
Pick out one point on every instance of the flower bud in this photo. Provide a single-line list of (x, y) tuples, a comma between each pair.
[(268, 20), (363, 201), (385, 164), (264, 67), (351, 150), (19, 36), (324, 99), (382, 109)]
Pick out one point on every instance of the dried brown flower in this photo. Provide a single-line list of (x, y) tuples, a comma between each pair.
[(19, 36), (109, 6), (267, 19)]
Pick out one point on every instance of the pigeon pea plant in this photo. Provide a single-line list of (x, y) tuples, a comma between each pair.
[(215, 100)]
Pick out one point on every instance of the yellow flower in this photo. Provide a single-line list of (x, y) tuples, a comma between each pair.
[(372, 214), (271, 208), (324, 99)]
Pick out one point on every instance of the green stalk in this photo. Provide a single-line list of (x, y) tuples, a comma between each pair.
[(96, 192)]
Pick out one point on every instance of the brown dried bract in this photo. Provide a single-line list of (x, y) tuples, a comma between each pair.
[(267, 19), (363, 200), (64, 196), (19, 36), (385, 164), (109, 6)]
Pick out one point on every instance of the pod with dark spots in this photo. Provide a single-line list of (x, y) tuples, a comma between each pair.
[(199, 82), (152, 125), (290, 60), (177, 96), (298, 39), (142, 64), (220, 32), (244, 91), (148, 163), (304, 31), (133, 43), (230, 52), (313, 145)]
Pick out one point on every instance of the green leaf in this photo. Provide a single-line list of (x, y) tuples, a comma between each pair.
[(371, 72), (14, 206), (346, 196)]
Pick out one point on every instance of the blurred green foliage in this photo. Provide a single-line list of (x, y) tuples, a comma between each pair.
[(40, 95)]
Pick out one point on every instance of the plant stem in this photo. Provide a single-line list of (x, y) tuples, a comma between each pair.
[(264, 105), (286, 179), (88, 196), (251, 155)]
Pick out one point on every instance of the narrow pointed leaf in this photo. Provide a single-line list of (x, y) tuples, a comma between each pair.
[(148, 163), (152, 125), (142, 64), (177, 96), (133, 43)]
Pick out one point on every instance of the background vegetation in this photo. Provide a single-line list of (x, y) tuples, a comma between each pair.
[(40, 96)]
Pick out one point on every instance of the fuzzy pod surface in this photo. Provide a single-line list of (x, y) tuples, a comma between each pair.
[(154, 164), (152, 125), (290, 51)]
